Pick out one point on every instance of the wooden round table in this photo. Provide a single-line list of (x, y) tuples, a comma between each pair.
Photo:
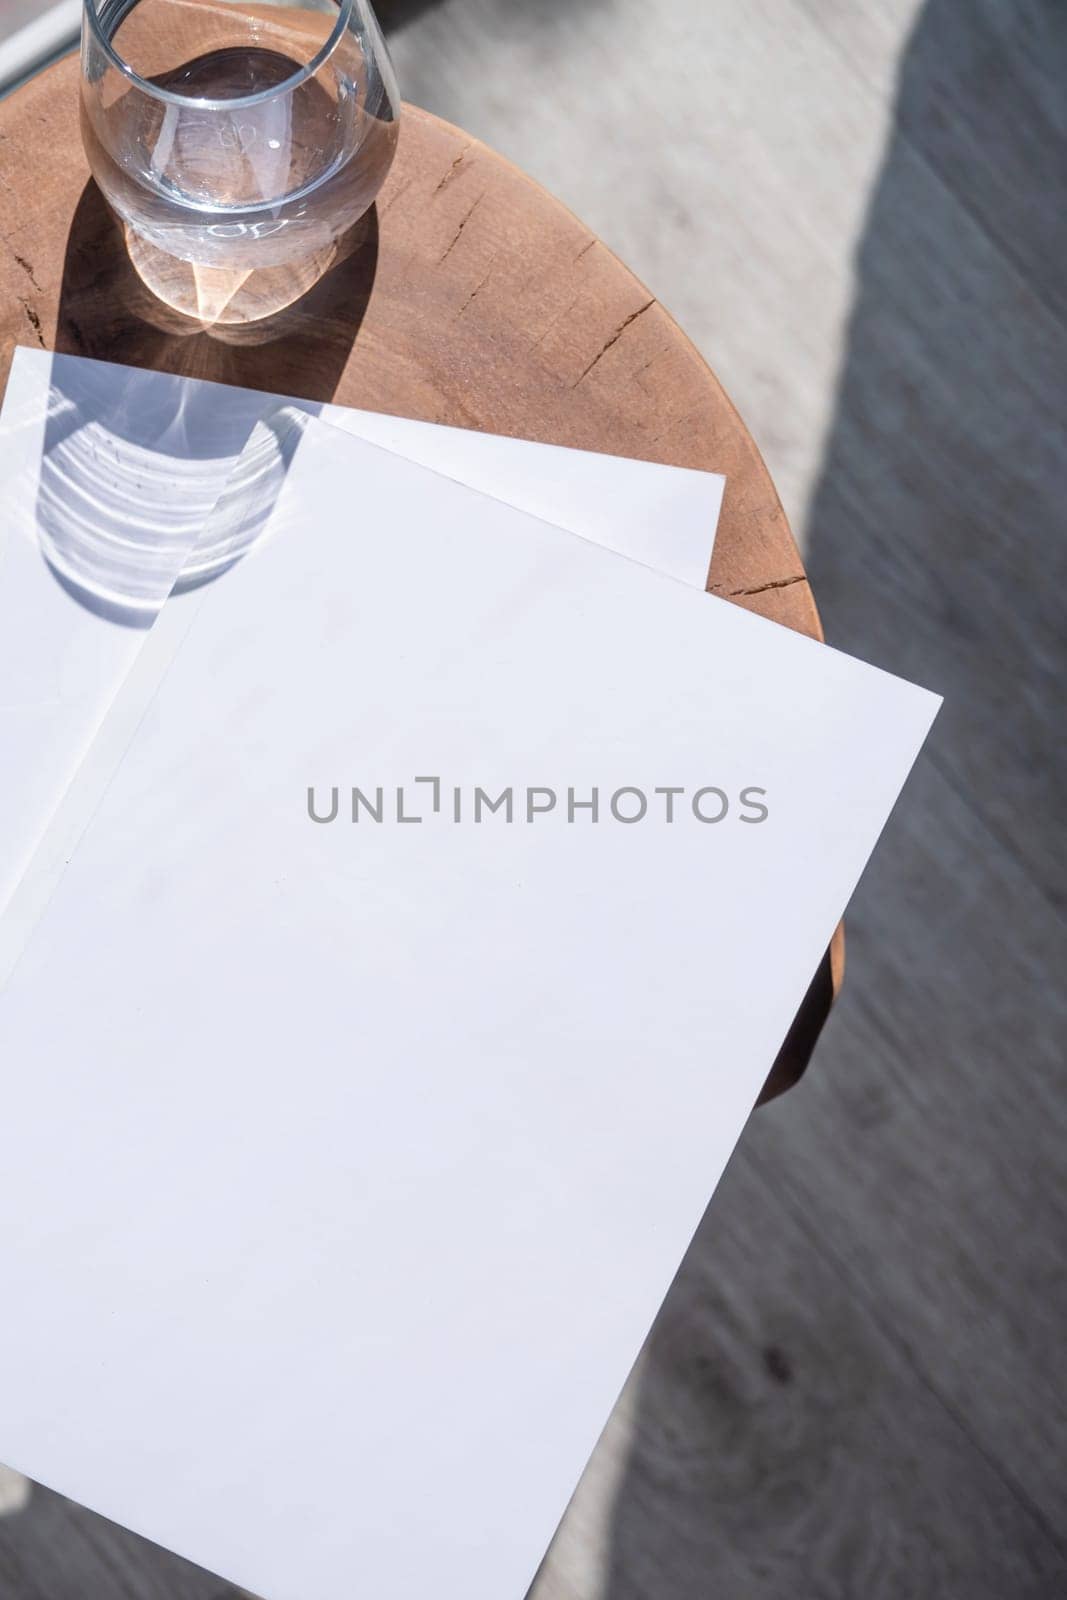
[(475, 299)]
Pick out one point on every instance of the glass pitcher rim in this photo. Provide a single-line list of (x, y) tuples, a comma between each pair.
[(90, 12)]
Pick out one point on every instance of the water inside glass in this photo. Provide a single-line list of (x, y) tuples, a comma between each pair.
[(237, 138)]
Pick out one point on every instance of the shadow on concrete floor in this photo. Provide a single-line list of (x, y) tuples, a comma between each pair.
[(847, 1392)]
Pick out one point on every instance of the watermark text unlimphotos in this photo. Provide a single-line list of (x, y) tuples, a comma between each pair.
[(425, 798)]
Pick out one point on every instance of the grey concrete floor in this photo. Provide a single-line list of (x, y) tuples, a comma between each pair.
[(857, 208)]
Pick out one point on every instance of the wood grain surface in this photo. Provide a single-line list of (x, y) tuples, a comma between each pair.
[(475, 299)]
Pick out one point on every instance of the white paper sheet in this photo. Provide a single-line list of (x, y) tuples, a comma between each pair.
[(369, 1149), (109, 473)]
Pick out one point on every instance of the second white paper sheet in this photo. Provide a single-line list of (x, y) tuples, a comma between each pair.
[(360, 1153), (109, 473)]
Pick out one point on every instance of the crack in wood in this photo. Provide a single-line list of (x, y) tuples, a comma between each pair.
[(614, 339), (28, 270), (478, 287), (398, 194), (759, 588), (33, 319), (458, 233), (676, 422), (555, 322), (453, 171)]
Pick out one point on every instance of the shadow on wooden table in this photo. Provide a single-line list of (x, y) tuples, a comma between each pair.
[(105, 311), (799, 1044), (130, 469)]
